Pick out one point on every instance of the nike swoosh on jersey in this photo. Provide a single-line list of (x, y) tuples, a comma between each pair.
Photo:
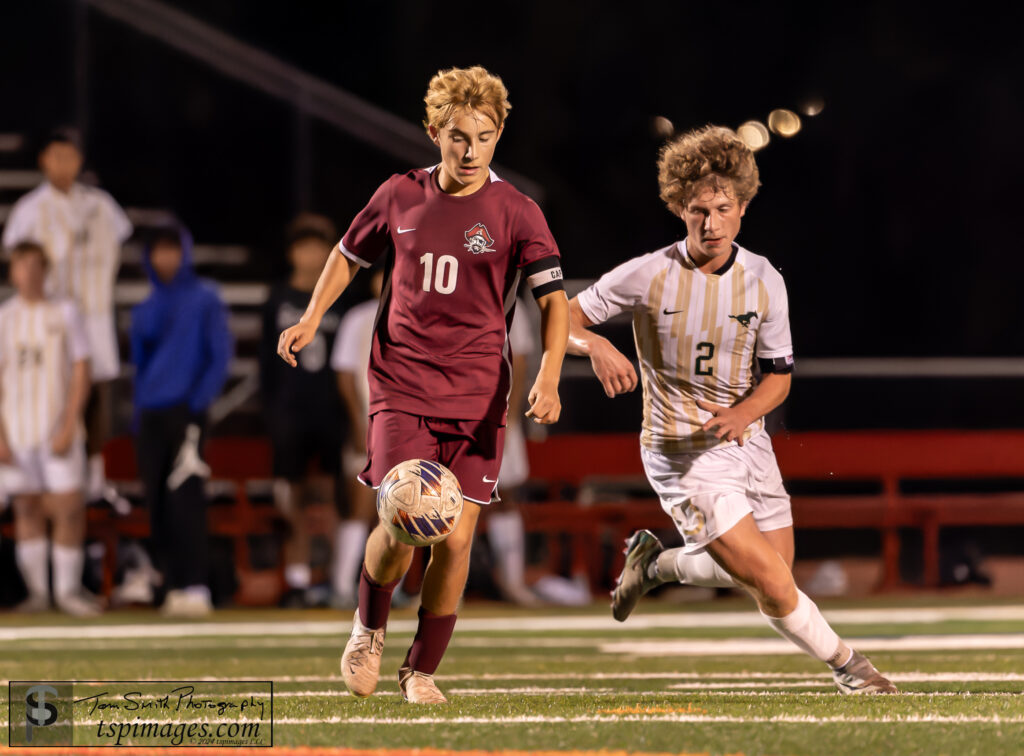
[(488, 480), (671, 312), (405, 230)]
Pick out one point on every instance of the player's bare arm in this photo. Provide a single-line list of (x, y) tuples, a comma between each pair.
[(336, 276), (728, 423), (611, 366), (545, 406), (75, 409)]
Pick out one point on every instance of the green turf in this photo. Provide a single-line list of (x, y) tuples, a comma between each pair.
[(565, 680)]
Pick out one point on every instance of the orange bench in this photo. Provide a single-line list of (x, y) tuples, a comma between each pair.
[(569, 461), (883, 457), (236, 461)]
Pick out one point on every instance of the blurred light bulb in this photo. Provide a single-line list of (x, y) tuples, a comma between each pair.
[(662, 127), (784, 122), (754, 134), (812, 106)]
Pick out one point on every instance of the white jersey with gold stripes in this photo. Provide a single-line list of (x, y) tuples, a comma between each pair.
[(39, 344), (82, 231), (697, 336)]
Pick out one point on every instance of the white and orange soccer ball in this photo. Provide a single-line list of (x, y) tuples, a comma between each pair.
[(420, 502)]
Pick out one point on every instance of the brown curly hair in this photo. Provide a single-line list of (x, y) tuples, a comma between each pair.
[(454, 89), (713, 155)]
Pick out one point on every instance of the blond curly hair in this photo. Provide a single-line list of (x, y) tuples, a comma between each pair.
[(455, 89), (712, 156)]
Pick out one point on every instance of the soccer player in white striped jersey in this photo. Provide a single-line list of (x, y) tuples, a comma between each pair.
[(82, 229), (703, 310), (44, 369)]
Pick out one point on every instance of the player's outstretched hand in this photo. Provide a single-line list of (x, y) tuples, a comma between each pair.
[(61, 442), (545, 406), (293, 339), (612, 368), (727, 423)]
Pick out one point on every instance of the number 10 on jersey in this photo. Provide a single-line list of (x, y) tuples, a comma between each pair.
[(444, 278)]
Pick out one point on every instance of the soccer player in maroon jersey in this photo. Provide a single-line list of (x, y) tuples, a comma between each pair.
[(440, 362)]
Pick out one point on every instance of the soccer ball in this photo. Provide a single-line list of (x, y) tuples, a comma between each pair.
[(420, 502)]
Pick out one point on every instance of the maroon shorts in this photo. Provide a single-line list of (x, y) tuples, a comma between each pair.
[(471, 449)]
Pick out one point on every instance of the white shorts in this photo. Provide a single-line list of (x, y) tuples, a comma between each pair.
[(707, 493), (515, 466), (39, 470), (104, 357)]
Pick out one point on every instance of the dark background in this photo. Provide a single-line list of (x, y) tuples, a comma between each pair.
[(892, 214)]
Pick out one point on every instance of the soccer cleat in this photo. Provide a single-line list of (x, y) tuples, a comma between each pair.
[(33, 604), (642, 548), (859, 676), (419, 688), (80, 604), (186, 604), (360, 663)]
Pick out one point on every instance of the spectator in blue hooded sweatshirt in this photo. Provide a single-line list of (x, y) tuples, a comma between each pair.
[(181, 347)]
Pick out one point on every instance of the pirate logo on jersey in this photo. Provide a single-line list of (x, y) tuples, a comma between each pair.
[(478, 240)]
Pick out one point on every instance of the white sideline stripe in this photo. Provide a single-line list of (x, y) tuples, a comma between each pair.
[(539, 719), (750, 618), (905, 677), (768, 646)]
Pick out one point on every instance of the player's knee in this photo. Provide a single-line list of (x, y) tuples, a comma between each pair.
[(382, 539), (776, 592), (458, 545)]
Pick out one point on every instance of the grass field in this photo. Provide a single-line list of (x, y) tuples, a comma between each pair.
[(707, 678)]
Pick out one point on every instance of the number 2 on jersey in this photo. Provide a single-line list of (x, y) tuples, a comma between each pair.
[(702, 367), (444, 278)]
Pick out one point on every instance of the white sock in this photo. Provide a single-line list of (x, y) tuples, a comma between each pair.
[(806, 628), (33, 562), (96, 478), (349, 545), (505, 534), (692, 569), (297, 575), (67, 570)]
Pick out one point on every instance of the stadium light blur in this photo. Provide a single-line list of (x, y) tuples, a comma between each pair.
[(812, 106), (662, 127), (784, 122), (755, 134)]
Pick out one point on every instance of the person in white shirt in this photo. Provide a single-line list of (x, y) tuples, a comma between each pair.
[(704, 310), (44, 380), (81, 228)]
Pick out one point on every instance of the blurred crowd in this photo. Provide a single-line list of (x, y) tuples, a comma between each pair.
[(59, 356)]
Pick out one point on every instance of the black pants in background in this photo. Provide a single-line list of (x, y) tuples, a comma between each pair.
[(177, 518)]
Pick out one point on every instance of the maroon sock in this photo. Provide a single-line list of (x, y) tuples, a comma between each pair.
[(374, 600), (431, 641)]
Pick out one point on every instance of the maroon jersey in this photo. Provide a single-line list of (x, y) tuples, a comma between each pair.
[(440, 345)]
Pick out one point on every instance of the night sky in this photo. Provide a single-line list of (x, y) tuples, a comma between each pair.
[(892, 214)]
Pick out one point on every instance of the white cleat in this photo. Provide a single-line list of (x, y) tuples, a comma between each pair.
[(859, 677), (360, 663), (80, 604), (642, 548), (419, 688)]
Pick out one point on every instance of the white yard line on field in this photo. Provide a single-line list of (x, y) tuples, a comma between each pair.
[(512, 624), (599, 718), (767, 646)]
